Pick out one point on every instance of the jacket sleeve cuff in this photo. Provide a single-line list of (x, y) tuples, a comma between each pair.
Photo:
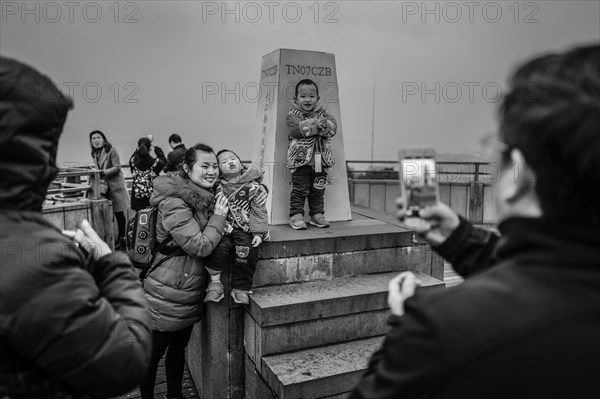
[(219, 223), (113, 258), (450, 248), (263, 235)]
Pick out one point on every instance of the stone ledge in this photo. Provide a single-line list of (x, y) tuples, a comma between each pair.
[(346, 264), (319, 372), (353, 235), (320, 299)]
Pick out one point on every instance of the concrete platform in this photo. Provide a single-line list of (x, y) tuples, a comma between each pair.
[(344, 236), (292, 317), (373, 242), (320, 299), (318, 308), (319, 372)]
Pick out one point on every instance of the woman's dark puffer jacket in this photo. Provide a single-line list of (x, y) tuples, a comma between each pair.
[(175, 290)]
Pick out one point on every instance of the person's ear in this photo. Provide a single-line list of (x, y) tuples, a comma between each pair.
[(186, 169), (522, 182)]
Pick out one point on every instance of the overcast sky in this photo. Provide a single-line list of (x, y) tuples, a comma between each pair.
[(139, 67)]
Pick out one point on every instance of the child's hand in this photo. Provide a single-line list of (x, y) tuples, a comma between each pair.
[(322, 123), (309, 127), (256, 241)]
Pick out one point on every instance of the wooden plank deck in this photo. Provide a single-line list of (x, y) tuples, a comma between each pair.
[(160, 389)]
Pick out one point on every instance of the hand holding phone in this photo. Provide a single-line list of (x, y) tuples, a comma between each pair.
[(418, 183), (88, 240), (401, 287)]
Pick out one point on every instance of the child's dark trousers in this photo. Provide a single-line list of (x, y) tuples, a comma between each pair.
[(236, 247), (306, 183)]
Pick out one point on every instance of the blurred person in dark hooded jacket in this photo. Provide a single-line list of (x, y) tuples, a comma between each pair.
[(73, 318)]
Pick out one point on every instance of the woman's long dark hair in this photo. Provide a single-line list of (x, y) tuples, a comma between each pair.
[(107, 145)]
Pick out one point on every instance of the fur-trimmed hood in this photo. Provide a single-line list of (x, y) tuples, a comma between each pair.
[(175, 185)]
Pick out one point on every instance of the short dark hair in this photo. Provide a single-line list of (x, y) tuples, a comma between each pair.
[(306, 82), (226, 150), (175, 138), (552, 115)]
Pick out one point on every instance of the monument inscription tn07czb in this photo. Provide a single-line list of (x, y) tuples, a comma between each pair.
[(280, 72)]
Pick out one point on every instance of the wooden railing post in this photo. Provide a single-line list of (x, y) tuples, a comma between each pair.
[(102, 220), (476, 202), (95, 184)]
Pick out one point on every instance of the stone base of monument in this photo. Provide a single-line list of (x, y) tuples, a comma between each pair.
[(318, 311)]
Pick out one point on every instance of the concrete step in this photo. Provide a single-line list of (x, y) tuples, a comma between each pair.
[(330, 371), (298, 316), (345, 249)]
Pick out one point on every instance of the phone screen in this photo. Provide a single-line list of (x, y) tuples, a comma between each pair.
[(418, 179)]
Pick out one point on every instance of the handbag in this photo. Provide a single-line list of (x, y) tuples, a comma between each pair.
[(103, 187)]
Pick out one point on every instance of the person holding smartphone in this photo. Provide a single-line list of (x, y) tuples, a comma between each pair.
[(526, 321)]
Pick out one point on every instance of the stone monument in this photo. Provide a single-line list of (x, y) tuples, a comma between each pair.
[(280, 72)]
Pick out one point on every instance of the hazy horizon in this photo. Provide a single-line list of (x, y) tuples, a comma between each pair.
[(146, 67)]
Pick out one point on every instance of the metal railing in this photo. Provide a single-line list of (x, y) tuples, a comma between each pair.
[(465, 186), (69, 185), (478, 170)]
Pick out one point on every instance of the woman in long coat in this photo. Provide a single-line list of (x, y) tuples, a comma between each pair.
[(106, 159), (189, 213)]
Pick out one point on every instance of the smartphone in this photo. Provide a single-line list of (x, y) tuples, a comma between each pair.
[(418, 183)]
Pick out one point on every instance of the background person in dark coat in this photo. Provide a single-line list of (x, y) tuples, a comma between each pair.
[(526, 322), (175, 157), (72, 323), (145, 164)]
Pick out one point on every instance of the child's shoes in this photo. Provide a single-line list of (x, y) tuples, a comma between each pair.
[(297, 223), (240, 296), (319, 220), (214, 292)]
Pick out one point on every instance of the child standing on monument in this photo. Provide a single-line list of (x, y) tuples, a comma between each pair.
[(247, 228), (310, 128)]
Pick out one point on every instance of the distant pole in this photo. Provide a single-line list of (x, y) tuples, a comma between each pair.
[(373, 125)]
